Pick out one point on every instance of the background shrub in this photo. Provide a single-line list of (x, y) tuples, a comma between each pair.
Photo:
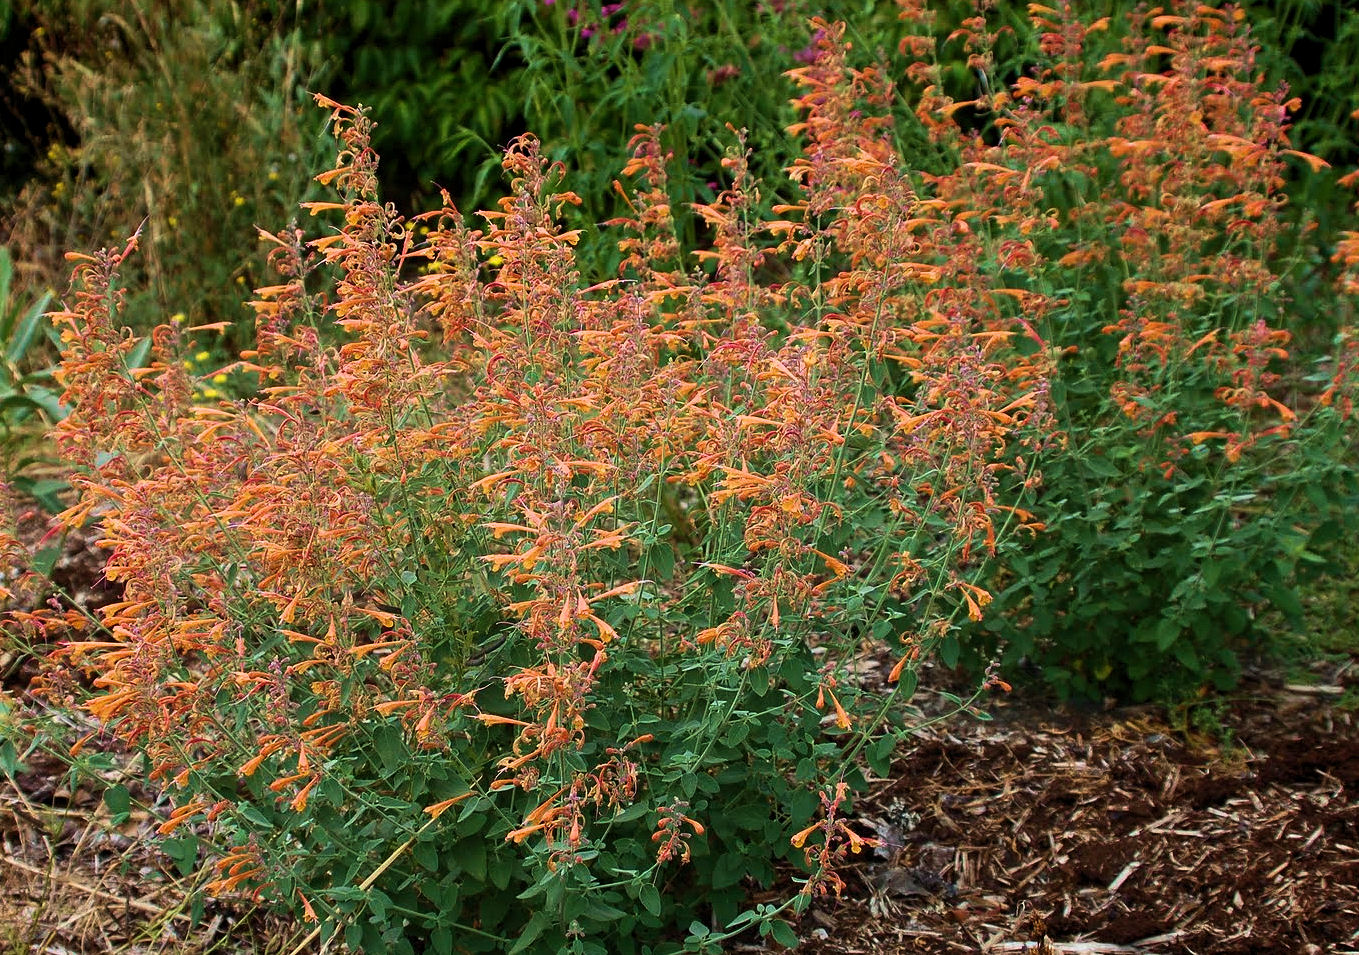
[(1138, 174), (189, 119), (581, 76)]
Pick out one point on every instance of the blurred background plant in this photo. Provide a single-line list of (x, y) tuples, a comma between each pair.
[(28, 400), (24, 390), (582, 76), (1308, 44), (188, 117)]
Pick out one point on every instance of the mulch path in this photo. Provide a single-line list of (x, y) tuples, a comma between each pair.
[(1058, 833)]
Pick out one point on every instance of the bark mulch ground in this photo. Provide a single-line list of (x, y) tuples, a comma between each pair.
[(1060, 833), (1037, 832)]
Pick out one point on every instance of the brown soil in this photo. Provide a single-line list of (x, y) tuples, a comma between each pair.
[(1051, 832)]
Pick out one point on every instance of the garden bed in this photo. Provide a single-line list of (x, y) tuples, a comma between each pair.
[(1044, 830)]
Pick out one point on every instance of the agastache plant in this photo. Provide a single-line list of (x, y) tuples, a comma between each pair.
[(1135, 180), (510, 582)]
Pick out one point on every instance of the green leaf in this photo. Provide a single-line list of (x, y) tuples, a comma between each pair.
[(27, 330), (880, 755), (18, 404), (949, 651), (1188, 657), (378, 903), (745, 918), (1100, 467), (183, 851), (661, 560), (471, 858), (391, 749), (253, 816), (10, 764), (441, 940), (136, 358), (46, 491), (650, 897), (1285, 598), (688, 785), (119, 802), (603, 912), (500, 874), (1167, 632), (635, 811), (531, 932), (783, 933), (802, 805), (908, 681), (6, 272), (728, 870), (45, 560), (426, 856), (737, 732), (345, 893)]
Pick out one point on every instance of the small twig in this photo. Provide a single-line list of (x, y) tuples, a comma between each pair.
[(1067, 948), (1318, 689), (367, 883), (1122, 876)]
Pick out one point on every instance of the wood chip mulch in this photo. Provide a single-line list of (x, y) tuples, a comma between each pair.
[(1113, 833)]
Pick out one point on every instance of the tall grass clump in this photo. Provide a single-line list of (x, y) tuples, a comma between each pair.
[(189, 117), (528, 610)]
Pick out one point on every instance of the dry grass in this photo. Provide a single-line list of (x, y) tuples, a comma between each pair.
[(73, 882)]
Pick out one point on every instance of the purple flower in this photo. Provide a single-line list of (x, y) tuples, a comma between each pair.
[(808, 53)]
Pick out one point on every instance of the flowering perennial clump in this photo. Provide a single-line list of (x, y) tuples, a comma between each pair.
[(532, 610), (1135, 180), (534, 583)]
